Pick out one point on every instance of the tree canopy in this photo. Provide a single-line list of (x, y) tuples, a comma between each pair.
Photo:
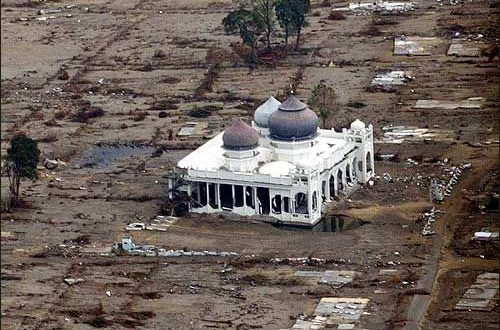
[(293, 14), (21, 162), (247, 23), (257, 18), (323, 100)]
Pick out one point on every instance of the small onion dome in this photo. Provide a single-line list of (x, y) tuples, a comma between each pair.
[(240, 136), (264, 111), (293, 121), (357, 125)]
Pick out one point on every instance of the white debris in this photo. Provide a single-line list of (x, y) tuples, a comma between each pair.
[(485, 236), (413, 45), (470, 103), (392, 78)]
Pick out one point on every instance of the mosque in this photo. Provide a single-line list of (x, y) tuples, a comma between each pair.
[(282, 166)]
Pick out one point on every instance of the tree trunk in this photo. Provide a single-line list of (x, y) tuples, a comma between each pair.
[(254, 55), (268, 37), (286, 36), (297, 41), (18, 184)]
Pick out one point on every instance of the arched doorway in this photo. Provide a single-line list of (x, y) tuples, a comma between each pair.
[(348, 177), (340, 182), (315, 201), (301, 203), (332, 186), (323, 190)]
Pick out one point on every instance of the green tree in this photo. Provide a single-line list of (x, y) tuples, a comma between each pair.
[(248, 24), (284, 15), (20, 162), (265, 10), (292, 17), (322, 100)]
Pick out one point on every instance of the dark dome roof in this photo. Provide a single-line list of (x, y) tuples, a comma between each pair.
[(293, 121), (240, 136)]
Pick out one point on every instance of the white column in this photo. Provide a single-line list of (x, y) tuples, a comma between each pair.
[(217, 194), (364, 167), (232, 193), (208, 195), (327, 188)]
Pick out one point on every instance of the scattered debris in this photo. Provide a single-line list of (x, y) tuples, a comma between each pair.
[(160, 223), (51, 164), (127, 246), (480, 295), (436, 192), (412, 134), (365, 8), (470, 103), (136, 226), (334, 278), (8, 235), (430, 218), (343, 312), (386, 80), (413, 45)]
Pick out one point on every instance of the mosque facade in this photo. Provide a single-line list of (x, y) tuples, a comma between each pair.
[(281, 166)]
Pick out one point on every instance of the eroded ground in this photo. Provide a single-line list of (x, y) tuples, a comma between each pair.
[(106, 55)]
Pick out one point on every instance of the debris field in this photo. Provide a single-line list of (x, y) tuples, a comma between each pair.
[(116, 92)]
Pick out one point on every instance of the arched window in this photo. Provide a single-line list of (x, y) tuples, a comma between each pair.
[(315, 201)]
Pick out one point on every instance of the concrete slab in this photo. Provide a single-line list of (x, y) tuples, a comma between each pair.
[(463, 48), (339, 310), (470, 103), (481, 295), (305, 273), (413, 45), (337, 278)]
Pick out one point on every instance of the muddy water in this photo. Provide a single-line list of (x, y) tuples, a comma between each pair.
[(333, 224), (103, 156)]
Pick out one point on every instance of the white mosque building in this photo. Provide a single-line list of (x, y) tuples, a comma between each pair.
[(283, 166)]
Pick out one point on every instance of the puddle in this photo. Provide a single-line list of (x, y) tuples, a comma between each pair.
[(333, 224), (105, 155)]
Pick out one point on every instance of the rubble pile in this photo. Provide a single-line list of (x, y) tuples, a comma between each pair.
[(127, 246), (386, 7), (387, 80)]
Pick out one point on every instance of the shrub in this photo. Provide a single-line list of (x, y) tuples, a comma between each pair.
[(84, 114), (140, 116), (336, 16)]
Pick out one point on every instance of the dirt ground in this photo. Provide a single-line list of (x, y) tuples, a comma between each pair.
[(106, 55)]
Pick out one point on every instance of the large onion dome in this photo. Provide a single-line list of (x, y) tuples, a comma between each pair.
[(240, 136), (293, 121), (265, 110)]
